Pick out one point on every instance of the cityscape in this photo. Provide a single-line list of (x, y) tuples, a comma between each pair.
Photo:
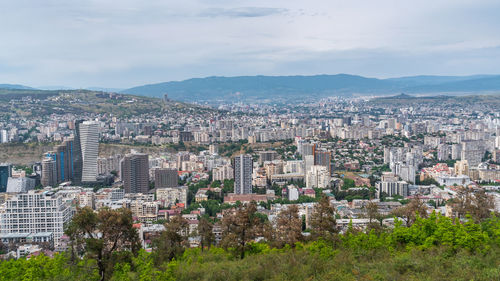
[(251, 177)]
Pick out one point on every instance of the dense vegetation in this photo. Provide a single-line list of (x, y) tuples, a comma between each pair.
[(433, 248)]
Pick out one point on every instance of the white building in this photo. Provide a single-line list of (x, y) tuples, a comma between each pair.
[(23, 184), (293, 193), (294, 167), (89, 142), (318, 176), (34, 212), (448, 180), (391, 188)]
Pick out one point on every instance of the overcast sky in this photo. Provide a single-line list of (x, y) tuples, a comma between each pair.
[(128, 43)]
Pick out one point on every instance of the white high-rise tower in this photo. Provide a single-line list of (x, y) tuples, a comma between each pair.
[(89, 141)]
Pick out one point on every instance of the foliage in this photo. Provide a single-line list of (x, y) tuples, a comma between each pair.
[(107, 236), (433, 248)]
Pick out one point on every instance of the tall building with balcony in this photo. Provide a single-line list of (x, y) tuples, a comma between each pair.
[(35, 212)]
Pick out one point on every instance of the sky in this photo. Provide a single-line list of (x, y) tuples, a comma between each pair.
[(121, 44)]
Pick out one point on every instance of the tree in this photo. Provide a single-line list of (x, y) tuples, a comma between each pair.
[(106, 236), (374, 218), (205, 231), (288, 226), (348, 183), (323, 222), (478, 204), (409, 211), (241, 228), (172, 241)]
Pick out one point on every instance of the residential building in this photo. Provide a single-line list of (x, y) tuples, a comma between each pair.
[(243, 167), (34, 212)]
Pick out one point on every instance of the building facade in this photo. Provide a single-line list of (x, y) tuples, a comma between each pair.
[(36, 212), (135, 173), (243, 168)]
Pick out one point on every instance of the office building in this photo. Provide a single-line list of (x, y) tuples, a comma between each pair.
[(85, 151), (166, 178), (135, 173), (243, 168), (63, 157), (89, 143), (49, 172), (5, 173)]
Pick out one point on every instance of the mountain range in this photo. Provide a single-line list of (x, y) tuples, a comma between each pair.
[(287, 87), (297, 87)]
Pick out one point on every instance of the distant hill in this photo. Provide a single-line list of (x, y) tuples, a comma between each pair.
[(86, 101), (291, 87), (15, 87), (488, 101)]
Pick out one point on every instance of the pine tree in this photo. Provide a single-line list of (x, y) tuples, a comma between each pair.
[(288, 226), (104, 235), (322, 221), (241, 228), (373, 215), (205, 231), (173, 240)]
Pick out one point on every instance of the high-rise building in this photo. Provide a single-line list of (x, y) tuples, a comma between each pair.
[(5, 173), (308, 163), (41, 212), (473, 152), (135, 173), (318, 176), (322, 158), (166, 178), (63, 156), (4, 136), (86, 149), (391, 188), (243, 168), (49, 172)]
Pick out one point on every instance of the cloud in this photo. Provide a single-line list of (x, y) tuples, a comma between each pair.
[(241, 12), (87, 42)]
